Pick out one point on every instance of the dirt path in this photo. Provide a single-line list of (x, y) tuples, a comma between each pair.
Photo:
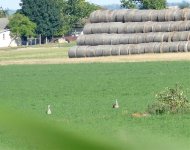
[(131, 58)]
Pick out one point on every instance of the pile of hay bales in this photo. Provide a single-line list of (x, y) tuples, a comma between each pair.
[(131, 31)]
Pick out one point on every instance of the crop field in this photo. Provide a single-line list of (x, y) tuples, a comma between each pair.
[(81, 97)]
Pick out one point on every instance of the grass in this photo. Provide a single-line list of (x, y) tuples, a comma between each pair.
[(36, 52), (81, 97)]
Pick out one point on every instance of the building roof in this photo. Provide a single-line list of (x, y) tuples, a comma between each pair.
[(3, 23)]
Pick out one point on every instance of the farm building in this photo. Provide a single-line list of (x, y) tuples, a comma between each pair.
[(5, 38), (131, 31)]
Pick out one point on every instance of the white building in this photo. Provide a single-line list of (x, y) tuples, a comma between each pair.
[(5, 38)]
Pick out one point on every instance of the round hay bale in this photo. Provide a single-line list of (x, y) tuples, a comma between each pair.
[(96, 28), (132, 39), (183, 47), (160, 37), (149, 37), (81, 51), (185, 36), (114, 27), (124, 39), (106, 50), (88, 29), (115, 39), (97, 39), (149, 47), (165, 47), (121, 28), (94, 17), (161, 15), (154, 16), (145, 15), (182, 26), (169, 15), (141, 39), (112, 16), (128, 17), (165, 27), (141, 48), (120, 15), (186, 14), (72, 52), (131, 27), (174, 46), (156, 48), (157, 27), (124, 49), (139, 28), (134, 48), (188, 46), (176, 36), (178, 15), (99, 50), (138, 16), (89, 39), (81, 40), (115, 51), (90, 51), (105, 28), (148, 27), (107, 39)]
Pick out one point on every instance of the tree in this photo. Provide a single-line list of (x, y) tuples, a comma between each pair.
[(184, 4), (3, 13), (74, 11), (45, 13), (144, 4), (21, 26)]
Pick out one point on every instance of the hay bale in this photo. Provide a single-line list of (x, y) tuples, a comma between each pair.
[(183, 47), (115, 51), (139, 28), (120, 15), (137, 17), (114, 27), (159, 37), (81, 51), (146, 15), (161, 15), (91, 51), (174, 46), (88, 29), (148, 27), (154, 16), (149, 47), (106, 50), (72, 52), (96, 28), (149, 37), (156, 48), (165, 47), (81, 40), (178, 15), (106, 39), (186, 14), (124, 49), (115, 39), (128, 16), (188, 46), (134, 48), (124, 39)]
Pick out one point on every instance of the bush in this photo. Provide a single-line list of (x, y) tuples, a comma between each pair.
[(170, 101)]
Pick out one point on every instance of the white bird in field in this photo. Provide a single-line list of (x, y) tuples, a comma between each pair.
[(116, 105), (49, 110)]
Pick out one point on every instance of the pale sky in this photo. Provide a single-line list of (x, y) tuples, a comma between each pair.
[(14, 4)]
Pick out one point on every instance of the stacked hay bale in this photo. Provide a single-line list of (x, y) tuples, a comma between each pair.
[(131, 31)]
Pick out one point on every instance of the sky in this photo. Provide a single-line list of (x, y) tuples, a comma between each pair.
[(14, 4)]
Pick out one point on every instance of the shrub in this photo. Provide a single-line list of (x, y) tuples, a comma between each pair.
[(170, 101)]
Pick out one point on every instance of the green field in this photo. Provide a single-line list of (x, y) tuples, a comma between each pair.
[(81, 97)]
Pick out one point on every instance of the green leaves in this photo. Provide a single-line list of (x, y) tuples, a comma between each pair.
[(20, 25), (144, 4)]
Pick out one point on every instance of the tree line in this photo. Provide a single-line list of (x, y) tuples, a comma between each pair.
[(49, 18)]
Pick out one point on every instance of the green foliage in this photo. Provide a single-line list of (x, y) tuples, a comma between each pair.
[(20, 25), (144, 4), (184, 4), (45, 13), (171, 100), (74, 12), (3, 13)]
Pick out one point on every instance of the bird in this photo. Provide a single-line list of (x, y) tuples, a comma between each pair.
[(49, 110), (116, 105)]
